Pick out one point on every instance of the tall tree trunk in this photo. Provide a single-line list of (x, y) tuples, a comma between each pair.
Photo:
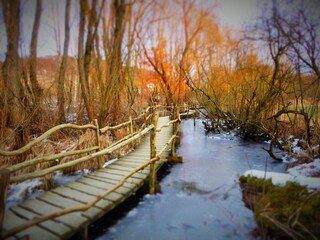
[(84, 58), (114, 61), (36, 89), (10, 70), (81, 62), (63, 66)]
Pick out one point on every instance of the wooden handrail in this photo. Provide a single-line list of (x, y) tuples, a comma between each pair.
[(85, 207), (44, 136), (42, 159), (107, 128), (53, 157), (72, 163), (122, 142), (167, 124), (82, 208)]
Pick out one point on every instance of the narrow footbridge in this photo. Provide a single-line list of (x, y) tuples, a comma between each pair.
[(69, 209)]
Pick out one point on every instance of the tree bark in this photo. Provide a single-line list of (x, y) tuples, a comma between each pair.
[(81, 62), (36, 89), (111, 94), (10, 70), (63, 66)]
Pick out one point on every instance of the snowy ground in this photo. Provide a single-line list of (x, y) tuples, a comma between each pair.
[(302, 174), (30, 189)]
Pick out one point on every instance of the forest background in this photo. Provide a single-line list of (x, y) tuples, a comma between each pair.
[(112, 58)]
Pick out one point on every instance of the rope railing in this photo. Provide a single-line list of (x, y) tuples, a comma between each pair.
[(131, 137)]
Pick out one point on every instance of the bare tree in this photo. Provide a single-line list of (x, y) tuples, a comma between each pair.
[(63, 66), (301, 33), (112, 44), (36, 89), (11, 71), (87, 14)]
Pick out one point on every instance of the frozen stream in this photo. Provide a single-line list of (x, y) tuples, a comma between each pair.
[(200, 198)]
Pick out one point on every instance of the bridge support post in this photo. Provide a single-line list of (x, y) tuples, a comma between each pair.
[(4, 182), (153, 153), (83, 233)]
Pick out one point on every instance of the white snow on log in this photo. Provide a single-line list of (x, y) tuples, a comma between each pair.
[(282, 178), (106, 164)]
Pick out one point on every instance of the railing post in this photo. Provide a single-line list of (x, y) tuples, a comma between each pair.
[(4, 182), (153, 154), (100, 161), (175, 129), (176, 116), (131, 130)]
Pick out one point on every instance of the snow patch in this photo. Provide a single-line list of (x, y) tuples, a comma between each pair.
[(133, 212), (282, 178), (72, 118), (20, 191), (61, 179), (295, 147), (306, 169)]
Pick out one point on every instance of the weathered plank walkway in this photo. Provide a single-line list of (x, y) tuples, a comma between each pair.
[(85, 190)]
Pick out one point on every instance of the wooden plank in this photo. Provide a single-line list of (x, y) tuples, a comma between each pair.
[(11, 220), (74, 195), (59, 201), (114, 196), (133, 160), (103, 185), (138, 175), (57, 228), (62, 202), (79, 196), (137, 159), (133, 185), (73, 220), (115, 177), (140, 154), (111, 181), (126, 168), (126, 162), (103, 180)]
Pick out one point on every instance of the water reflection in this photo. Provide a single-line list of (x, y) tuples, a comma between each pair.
[(200, 198)]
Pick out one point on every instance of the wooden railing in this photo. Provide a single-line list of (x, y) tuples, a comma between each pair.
[(149, 124)]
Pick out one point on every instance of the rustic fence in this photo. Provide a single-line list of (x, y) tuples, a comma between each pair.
[(150, 118)]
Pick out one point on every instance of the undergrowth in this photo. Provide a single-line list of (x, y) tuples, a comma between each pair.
[(283, 212)]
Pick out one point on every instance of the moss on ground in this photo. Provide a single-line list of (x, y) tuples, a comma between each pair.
[(283, 212)]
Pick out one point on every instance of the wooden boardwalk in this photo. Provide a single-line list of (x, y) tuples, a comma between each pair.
[(85, 190)]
